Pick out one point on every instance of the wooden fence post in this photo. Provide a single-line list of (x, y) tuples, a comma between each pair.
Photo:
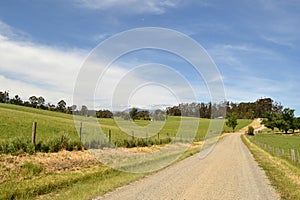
[(80, 131), (33, 135), (109, 135), (293, 155)]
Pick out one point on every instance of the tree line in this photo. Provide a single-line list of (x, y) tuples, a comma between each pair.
[(274, 114), (61, 106), (284, 120), (243, 110)]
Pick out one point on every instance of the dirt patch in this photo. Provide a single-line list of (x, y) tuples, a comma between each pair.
[(256, 124), (52, 162), (64, 161)]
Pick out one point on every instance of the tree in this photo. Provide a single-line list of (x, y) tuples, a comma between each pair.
[(173, 111), (84, 110), (61, 106), (271, 120), (284, 120), (71, 109), (250, 130), (33, 101), (16, 100), (4, 97), (41, 101), (263, 106), (288, 118), (133, 113), (51, 107), (104, 114), (232, 121), (144, 115), (296, 123)]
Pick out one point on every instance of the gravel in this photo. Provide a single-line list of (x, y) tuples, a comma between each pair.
[(228, 172)]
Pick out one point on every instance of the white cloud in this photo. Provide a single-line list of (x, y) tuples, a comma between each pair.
[(31, 69), (130, 6)]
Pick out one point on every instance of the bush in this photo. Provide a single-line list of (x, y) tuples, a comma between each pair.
[(54, 145), (250, 130), (30, 149), (23, 145)]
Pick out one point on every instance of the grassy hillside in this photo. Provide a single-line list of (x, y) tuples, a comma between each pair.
[(16, 121), (65, 175)]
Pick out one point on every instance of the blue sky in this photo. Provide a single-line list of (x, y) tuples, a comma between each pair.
[(254, 44)]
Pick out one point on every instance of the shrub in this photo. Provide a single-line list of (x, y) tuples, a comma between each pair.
[(30, 148), (54, 145), (250, 130)]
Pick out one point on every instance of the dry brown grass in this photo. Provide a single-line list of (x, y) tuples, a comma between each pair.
[(256, 123), (52, 162)]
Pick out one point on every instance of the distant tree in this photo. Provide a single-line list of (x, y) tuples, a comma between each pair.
[(61, 106), (26, 103), (232, 121), (104, 114), (174, 111), (40, 102), (296, 124), (4, 97), (263, 105), (143, 115), (71, 109), (283, 120), (84, 110), (51, 107), (16, 100), (271, 120), (250, 130), (133, 113), (288, 118), (33, 101)]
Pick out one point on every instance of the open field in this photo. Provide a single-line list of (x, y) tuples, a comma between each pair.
[(66, 175), (280, 145), (280, 140), (16, 121), (284, 175)]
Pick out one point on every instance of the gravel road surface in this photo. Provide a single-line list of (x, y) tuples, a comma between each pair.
[(228, 172)]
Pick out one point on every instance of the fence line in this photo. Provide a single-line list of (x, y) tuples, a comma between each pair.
[(291, 154)]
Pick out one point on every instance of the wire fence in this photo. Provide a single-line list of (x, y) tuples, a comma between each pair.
[(292, 154)]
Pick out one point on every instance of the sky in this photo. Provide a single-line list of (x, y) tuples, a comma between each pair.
[(44, 46)]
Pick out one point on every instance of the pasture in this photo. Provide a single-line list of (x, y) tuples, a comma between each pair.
[(282, 141), (16, 122)]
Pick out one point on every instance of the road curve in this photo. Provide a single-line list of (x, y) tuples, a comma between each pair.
[(228, 172)]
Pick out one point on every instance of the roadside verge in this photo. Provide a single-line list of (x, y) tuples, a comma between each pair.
[(284, 176)]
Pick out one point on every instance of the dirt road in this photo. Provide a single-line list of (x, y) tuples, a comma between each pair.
[(228, 172)]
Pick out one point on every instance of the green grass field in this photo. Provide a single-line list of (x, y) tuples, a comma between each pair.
[(280, 140), (283, 174), (31, 180), (16, 121)]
